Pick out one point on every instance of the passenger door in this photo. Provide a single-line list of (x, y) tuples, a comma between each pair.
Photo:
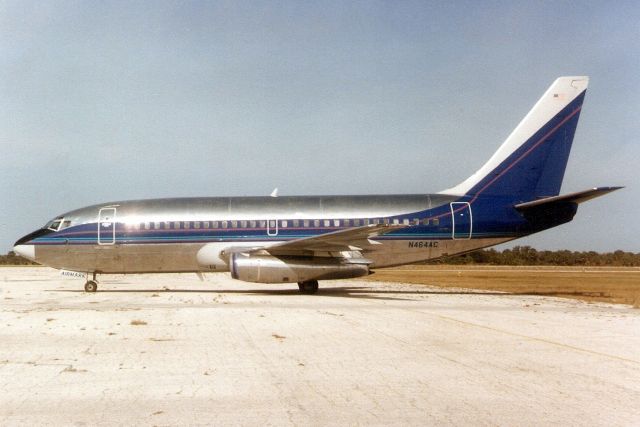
[(107, 226), (461, 220)]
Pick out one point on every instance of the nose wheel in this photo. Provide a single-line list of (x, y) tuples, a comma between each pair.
[(91, 286), (308, 287)]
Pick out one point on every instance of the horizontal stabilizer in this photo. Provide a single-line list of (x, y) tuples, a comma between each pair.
[(579, 197)]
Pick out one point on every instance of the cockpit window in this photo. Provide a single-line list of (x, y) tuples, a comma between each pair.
[(66, 223), (54, 224)]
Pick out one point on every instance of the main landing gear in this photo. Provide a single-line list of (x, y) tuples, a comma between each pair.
[(91, 285), (308, 287)]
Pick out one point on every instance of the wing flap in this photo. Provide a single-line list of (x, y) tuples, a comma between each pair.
[(351, 239)]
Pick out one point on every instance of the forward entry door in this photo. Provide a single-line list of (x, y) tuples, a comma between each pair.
[(107, 226)]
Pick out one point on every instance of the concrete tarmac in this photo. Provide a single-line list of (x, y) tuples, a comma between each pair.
[(173, 350)]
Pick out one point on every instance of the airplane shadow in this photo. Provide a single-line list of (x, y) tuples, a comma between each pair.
[(342, 292), (338, 292)]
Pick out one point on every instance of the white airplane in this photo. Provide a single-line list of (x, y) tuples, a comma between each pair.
[(303, 239)]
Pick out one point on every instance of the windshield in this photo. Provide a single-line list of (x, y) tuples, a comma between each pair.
[(54, 224)]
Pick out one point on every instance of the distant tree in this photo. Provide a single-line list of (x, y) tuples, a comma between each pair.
[(12, 259), (526, 255)]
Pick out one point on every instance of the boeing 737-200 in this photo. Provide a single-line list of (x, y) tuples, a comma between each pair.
[(303, 239)]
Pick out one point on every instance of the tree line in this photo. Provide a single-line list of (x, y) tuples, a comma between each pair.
[(12, 259), (519, 255), (526, 255)]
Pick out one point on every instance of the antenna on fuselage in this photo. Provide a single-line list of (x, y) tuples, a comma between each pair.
[(274, 193)]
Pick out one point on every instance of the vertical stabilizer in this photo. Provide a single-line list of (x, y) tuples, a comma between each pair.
[(531, 162)]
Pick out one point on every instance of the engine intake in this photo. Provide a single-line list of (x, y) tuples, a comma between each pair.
[(291, 269)]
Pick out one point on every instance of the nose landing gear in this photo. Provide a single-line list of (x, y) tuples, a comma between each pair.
[(91, 285)]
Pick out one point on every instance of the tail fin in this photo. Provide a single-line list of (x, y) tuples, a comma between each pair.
[(531, 162)]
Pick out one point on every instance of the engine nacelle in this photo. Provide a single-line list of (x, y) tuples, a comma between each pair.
[(291, 269)]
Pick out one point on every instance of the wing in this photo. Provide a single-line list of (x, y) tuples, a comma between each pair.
[(351, 239)]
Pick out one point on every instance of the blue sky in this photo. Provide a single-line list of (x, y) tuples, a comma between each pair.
[(104, 101)]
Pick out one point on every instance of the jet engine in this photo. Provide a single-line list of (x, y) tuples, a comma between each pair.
[(291, 269)]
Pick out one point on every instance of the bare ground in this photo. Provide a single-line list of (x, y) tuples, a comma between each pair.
[(620, 285), (173, 350)]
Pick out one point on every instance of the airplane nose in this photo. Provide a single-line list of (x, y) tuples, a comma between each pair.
[(25, 240), (26, 251), (23, 246)]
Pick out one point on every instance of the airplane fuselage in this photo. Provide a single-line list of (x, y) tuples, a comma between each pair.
[(165, 235)]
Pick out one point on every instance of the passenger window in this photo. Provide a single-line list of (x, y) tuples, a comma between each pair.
[(346, 223), (336, 223), (316, 223), (416, 221), (356, 222), (176, 225), (327, 223), (147, 226), (365, 221), (263, 224), (243, 224), (225, 224), (425, 221), (156, 226), (386, 221), (436, 221), (405, 221), (283, 224), (196, 224), (296, 223), (186, 225), (252, 224), (272, 223), (234, 224), (205, 224), (305, 223), (214, 224), (375, 221), (396, 221)]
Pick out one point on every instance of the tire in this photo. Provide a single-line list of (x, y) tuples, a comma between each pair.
[(308, 287), (90, 286)]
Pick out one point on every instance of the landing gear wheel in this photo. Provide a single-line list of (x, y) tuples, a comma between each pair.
[(91, 286), (308, 287)]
